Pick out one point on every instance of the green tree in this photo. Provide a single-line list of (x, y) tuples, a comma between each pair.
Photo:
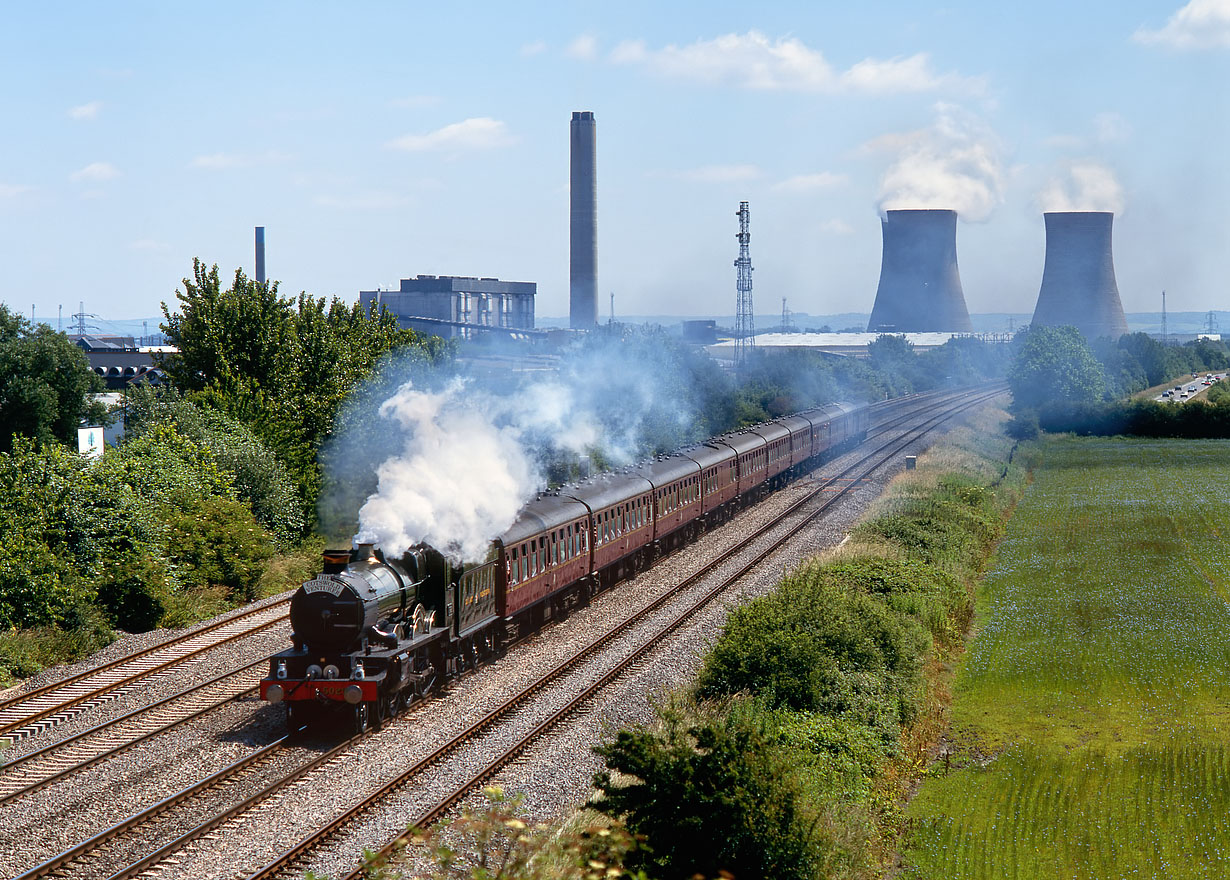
[(260, 479), (73, 535), (281, 366), (45, 384), (1055, 365)]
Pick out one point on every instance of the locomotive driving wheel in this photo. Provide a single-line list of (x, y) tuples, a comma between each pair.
[(362, 718)]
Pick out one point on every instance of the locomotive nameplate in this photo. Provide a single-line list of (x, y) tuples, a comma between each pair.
[(324, 585)]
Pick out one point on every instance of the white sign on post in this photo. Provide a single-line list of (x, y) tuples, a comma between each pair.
[(90, 442)]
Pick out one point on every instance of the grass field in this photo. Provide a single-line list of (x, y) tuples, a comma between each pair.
[(1091, 716)]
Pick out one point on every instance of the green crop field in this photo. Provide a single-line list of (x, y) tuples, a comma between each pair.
[(1091, 715)]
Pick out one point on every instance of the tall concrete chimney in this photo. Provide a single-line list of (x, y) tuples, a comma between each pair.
[(583, 223), (260, 254), (1078, 278), (920, 288)]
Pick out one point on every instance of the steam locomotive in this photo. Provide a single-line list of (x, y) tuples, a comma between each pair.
[(372, 633)]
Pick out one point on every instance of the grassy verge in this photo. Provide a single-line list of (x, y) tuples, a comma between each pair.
[(1091, 717), (26, 652)]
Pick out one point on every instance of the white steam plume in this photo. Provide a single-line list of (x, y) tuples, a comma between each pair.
[(466, 458), (1083, 186), (954, 164), (458, 480)]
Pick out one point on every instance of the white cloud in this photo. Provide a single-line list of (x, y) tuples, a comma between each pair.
[(810, 182), (228, 161), (85, 111), (416, 102), (1111, 128), (12, 190), (481, 133), (1083, 185), (537, 47), (721, 173), (1105, 128), (149, 244), (954, 164), (371, 201), (583, 48), (836, 227), (95, 172), (1201, 24), (753, 61)]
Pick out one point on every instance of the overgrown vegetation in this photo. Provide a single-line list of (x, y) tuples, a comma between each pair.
[(1089, 719)]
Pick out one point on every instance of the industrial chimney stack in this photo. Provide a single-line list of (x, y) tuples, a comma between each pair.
[(583, 223), (1078, 278), (920, 288), (260, 254)]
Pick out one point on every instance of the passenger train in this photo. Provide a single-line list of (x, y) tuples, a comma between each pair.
[(373, 632)]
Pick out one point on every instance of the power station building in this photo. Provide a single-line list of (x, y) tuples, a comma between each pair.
[(1078, 277), (920, 287), (458, 305)]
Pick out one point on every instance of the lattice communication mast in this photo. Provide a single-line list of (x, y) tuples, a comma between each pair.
[(745, 324)]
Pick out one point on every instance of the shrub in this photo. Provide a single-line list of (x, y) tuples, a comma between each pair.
[(711, 796), (815, 645), (216, 542)]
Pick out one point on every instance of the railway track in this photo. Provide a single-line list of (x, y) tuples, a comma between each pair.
[(96, 850), (36, 711)]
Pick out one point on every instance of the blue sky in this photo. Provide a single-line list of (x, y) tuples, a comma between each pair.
[(376, 141)]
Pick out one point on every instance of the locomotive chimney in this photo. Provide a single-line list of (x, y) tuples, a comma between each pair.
[(1078, 277), (920, 288)]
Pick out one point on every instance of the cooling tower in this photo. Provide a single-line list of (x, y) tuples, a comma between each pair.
[(260, 254), (920, 288), (1078, 278), (583, 223)]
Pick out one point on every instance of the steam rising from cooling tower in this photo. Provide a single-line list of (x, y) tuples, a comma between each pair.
[(920, 288), (1078, 279), (583, 223)]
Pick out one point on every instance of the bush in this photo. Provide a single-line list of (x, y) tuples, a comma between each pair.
[(815, 645), (710, 796), (216, 542)]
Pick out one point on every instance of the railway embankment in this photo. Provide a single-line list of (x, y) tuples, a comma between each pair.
[(1090, 730), (821, 703)]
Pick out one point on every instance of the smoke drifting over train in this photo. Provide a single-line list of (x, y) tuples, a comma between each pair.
[(450, 462)]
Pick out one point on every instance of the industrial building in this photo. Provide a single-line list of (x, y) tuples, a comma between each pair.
[(1078, 276), (457, 305), (920, 287), (583, 222)]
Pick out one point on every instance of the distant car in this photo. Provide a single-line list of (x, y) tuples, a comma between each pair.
[(1191, 388)]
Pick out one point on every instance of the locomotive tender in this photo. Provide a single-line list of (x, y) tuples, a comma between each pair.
[(372, 633)]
